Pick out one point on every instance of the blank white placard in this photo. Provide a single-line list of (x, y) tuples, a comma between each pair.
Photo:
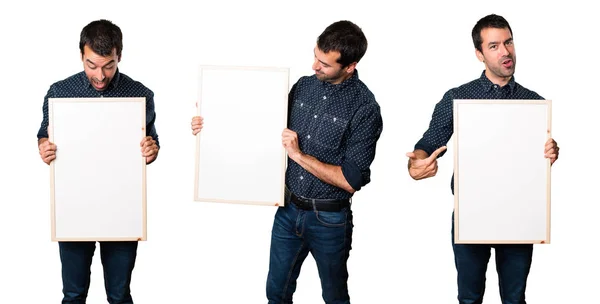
[(239, 155), (501, 177), (98, 184)]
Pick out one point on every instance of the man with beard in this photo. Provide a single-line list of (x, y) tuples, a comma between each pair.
[(100, 45), (493, 41), (334, 123)]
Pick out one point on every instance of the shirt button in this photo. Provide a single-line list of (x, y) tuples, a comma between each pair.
[(324, 97), (308, 136), (315, 116), (301, 177)]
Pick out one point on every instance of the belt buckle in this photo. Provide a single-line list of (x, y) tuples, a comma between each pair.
[(304, 203)]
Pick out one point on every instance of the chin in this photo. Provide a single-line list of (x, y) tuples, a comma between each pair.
[(321, 77)]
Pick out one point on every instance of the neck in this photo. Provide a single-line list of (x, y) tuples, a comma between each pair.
[(342, 78), (495, 79)]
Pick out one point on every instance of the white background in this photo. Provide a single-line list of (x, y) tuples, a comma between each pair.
[(218, 253)]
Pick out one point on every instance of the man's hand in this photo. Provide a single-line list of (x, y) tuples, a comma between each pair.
[(149, 149), (47, 150), (420, 166), (197, 123), (289, 139), (551, 150)]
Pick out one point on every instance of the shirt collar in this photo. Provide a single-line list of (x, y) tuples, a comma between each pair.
[(113, 83), (488, 85), (352, 80)]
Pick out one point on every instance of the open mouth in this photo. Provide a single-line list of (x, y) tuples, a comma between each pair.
[(507, 63), (99, 84)]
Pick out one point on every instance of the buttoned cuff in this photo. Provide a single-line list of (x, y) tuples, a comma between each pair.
[(352, 175)]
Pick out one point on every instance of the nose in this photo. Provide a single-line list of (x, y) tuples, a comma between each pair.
[(315, 65), (100, 76), (503, 50)]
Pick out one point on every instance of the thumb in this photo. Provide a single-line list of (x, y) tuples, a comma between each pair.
[(411, 155)]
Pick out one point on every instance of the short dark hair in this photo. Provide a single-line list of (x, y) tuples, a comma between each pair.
[(344, 37), (102, 36), (493, 21)]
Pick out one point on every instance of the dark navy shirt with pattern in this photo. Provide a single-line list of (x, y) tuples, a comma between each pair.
[(339, 124), (78, 86), (441, 126)]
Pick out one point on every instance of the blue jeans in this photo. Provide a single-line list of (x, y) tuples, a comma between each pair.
[(513, 262), (326, 235), (118, 260)]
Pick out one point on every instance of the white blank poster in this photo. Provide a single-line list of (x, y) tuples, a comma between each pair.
[(98, 177), (239, 155), (501, 177)]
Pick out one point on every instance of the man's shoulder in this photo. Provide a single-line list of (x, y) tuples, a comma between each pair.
[(72, 86), (129, 84), (466, 89), (522, 92), (73, 80), (365, 92)]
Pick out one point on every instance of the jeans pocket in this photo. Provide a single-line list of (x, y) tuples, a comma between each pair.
[(332, 219)]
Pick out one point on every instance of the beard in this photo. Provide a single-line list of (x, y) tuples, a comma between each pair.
[(329, 78), (502, 70)]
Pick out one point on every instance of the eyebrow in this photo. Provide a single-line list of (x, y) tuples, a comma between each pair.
[(89, 61), (496, 42)]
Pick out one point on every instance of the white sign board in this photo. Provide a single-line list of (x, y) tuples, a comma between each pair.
[(98, 179), (501, 177), (239, 154)]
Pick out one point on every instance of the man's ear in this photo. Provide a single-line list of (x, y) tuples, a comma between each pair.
[(479, 55), (351, 67)]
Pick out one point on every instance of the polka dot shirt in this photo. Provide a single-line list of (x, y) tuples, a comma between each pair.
[(337, 124), (441, 126), (78, 86)]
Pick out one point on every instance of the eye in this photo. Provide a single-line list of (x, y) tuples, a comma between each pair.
[(93, 67), (493, 47)]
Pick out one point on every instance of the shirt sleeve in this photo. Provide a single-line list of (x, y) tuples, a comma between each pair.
[(291, 103), (365, 130), (151, 117), (440, 128), (43, 131)]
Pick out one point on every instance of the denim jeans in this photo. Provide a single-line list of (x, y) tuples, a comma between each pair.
[(513, 262), (326, 235), (118, 260)]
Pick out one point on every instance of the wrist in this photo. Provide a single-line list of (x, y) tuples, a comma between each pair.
[(296, 155)]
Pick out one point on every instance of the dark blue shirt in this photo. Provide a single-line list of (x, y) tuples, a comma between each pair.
[(441, 126), (78, 86), (339, 124)]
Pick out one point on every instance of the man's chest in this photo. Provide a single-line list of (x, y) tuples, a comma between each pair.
[(320, 118)]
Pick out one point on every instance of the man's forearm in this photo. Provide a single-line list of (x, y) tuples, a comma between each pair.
[(327, 173)]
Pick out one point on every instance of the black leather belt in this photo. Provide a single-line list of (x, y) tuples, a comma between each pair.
[(331, 205)]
